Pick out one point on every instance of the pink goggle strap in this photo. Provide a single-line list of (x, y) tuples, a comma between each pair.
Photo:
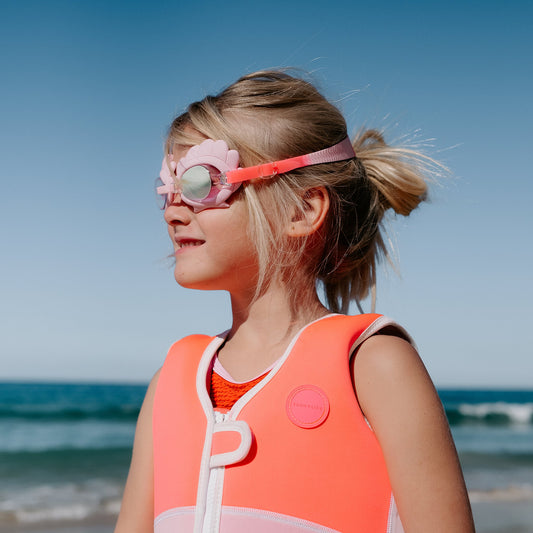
[(339, 152)]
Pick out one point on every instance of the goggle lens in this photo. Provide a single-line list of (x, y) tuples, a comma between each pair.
[(196, 182), (162, 196)]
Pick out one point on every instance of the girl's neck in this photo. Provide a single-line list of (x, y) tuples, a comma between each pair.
[(262, 330)]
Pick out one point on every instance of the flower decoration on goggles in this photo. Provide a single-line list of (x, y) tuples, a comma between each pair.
[(209, 173)]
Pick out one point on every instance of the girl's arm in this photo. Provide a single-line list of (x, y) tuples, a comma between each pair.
[(402, 406), (137, 509)]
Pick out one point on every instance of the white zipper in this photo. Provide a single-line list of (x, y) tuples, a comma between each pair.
[(214, 491)]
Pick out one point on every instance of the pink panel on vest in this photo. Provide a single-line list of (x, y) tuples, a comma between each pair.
[(242, 520), (173, 520)]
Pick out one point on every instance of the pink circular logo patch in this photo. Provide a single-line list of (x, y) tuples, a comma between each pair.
[(307, 406)]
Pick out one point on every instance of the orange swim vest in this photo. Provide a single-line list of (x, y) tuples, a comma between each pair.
[(294, 454)]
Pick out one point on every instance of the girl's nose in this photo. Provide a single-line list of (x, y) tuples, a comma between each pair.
[(177, 212)]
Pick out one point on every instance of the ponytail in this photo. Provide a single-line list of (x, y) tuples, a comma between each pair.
[(384, 177)]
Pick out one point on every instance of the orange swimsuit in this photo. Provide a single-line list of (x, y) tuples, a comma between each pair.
[(224, 393)]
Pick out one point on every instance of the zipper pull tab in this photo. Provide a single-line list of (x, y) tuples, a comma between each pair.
[(231, 443)]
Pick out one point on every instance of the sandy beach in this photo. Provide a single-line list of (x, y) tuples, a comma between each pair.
[(503, 517)]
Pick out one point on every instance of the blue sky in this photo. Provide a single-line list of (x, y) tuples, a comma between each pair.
[(89, 88)]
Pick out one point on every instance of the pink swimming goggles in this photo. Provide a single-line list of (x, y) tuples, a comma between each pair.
[(209, 173)]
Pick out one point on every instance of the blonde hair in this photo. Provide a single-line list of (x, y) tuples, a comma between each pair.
[(271, 115)]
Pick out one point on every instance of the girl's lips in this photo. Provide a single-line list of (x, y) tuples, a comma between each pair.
[(185, 243)]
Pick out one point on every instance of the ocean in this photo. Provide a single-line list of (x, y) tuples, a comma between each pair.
[(65, 451)]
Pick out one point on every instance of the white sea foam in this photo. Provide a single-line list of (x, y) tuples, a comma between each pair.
[(511, 493), (60, 502), (56, 514), (519, 413)]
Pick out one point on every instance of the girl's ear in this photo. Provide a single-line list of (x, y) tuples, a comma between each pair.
[(315, 209)]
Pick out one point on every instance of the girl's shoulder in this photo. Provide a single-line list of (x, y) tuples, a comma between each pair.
[(391, 380), (388, 354)]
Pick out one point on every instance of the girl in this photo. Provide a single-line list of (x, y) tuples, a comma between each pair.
[(298, 418)]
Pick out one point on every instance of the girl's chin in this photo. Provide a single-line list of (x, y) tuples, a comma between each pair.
[(187, 282)]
